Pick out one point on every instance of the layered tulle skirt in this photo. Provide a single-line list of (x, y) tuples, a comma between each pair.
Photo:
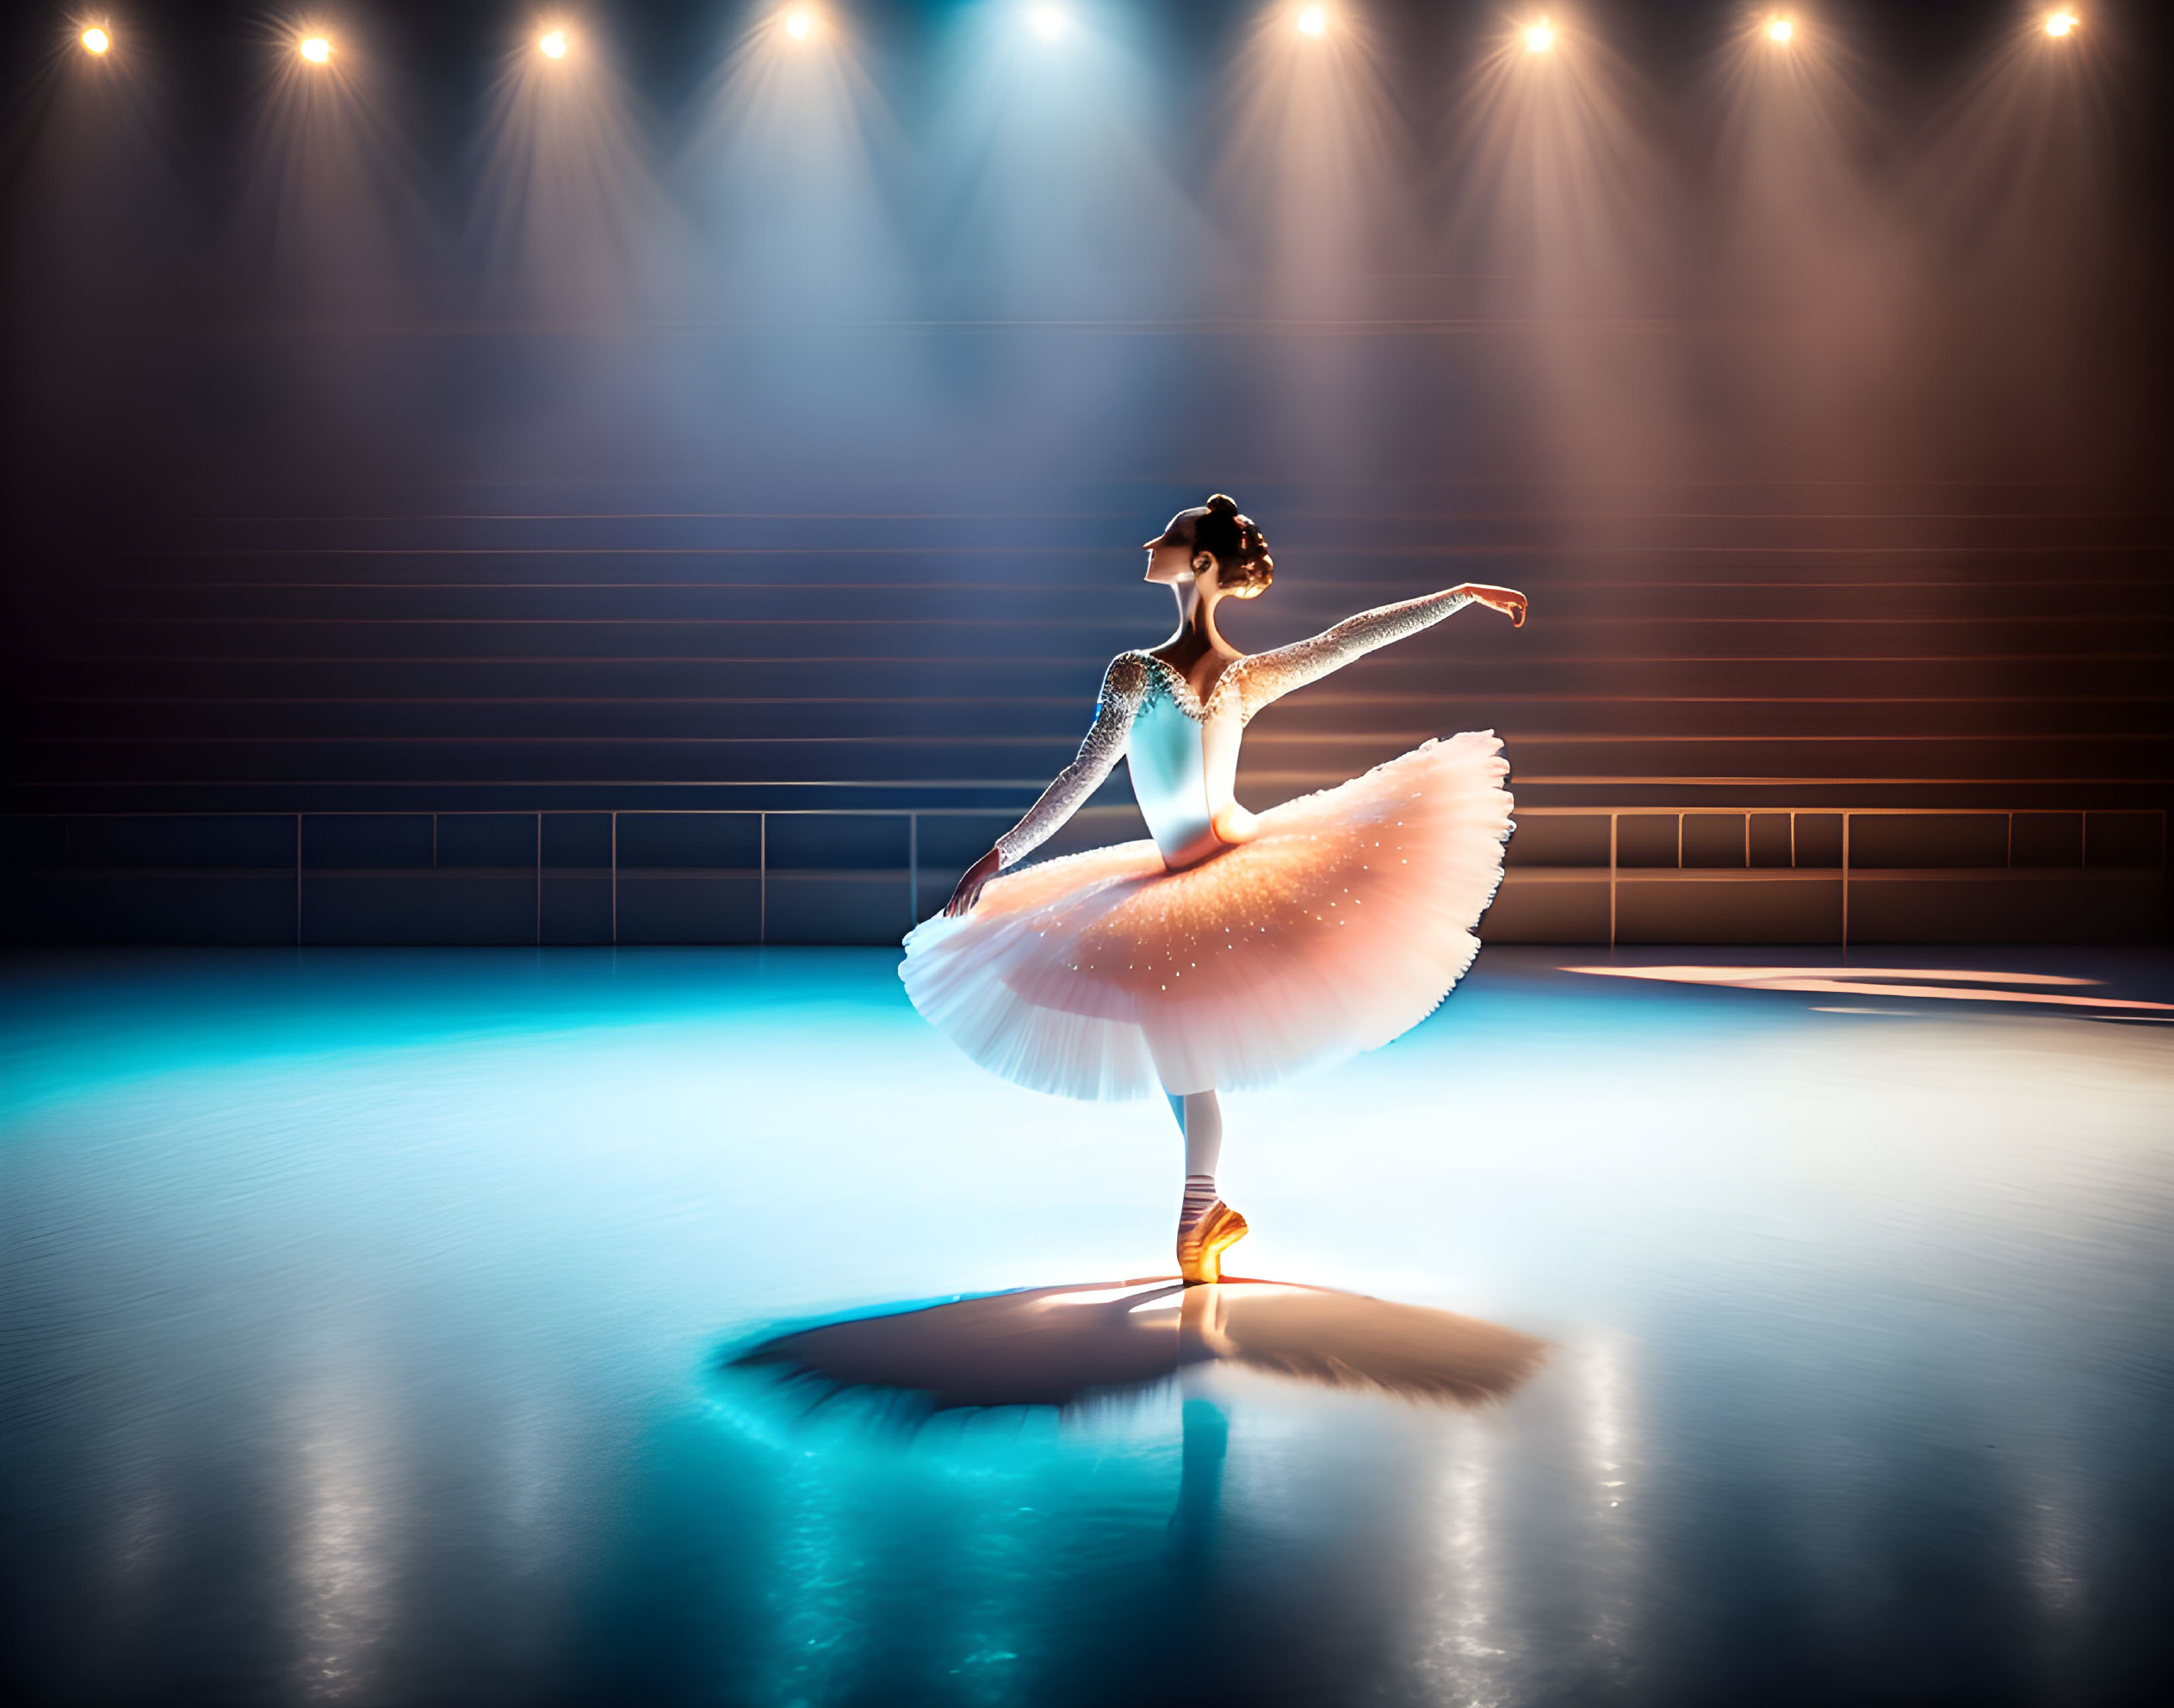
[(1342, 924)]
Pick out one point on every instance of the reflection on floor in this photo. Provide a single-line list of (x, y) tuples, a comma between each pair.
[(361, 1319)]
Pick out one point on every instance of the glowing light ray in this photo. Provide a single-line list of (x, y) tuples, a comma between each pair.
[(1558, 196), (568, 215), (1056, 201), (335, 192), (1307, 190), (2015, 182), (792, 153), (1816, 247), (1311, 159)]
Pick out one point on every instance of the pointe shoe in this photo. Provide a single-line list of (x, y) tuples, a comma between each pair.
[(1200, 1248)]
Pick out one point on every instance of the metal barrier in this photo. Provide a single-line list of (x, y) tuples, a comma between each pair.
[(1643, 845)]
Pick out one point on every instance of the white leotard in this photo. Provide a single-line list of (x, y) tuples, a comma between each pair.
[(1183, 751)]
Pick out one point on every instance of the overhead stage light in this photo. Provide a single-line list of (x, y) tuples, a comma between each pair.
[(95, 40), (800, 25), (1314, 21), (1539, 36), (1780, 29), (1049, 22), (316, 49), (553, 44), (2060, 22)]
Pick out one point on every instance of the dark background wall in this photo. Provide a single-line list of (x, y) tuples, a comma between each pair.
[(693, 499)]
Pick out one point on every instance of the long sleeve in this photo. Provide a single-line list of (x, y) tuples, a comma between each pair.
[(1269, 676), (1123, 686)]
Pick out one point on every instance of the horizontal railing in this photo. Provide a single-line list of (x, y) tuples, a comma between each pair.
[(865, 875)]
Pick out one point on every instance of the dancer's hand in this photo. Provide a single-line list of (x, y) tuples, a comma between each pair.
[(970, 887), (1507, 600)]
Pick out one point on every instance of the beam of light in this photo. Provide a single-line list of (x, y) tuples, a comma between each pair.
[(1056, 187), (2059, 23), (1313, 21), (96, 193), (1814, 251), (2017, 189), (1780, 29), (553, 44), (800, 24), (95, 40), (1309, 159), (1308, 188), (568, 215), (317, 49), (333, 192), (790, 154), (1565, 225), (1539, 36)]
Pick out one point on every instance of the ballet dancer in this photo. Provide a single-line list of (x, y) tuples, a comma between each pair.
[(1232, 949)]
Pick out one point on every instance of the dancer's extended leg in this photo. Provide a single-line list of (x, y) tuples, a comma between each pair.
[(1207, 1226)]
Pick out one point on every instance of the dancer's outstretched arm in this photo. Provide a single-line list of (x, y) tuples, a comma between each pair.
[(1269, 676), (1123, 686)]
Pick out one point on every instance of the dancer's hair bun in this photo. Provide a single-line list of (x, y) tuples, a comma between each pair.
[(1240, 547)]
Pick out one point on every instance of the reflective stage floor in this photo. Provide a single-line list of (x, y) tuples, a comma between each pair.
[(370, 1319)]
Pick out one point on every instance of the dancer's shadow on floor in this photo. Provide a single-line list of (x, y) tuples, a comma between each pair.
[(1060, 1345)]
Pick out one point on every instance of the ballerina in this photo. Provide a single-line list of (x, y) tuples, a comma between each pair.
[(1232, 949)]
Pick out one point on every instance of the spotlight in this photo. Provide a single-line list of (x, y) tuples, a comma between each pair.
[(800, 25), (1047, 23), (2060, 22), (1539, 36), (553, 42), (1780, 29), (316, 50), (95, 40), (1314, 21)]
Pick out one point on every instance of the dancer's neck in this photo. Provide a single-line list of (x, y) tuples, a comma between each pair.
[(1197, 636)]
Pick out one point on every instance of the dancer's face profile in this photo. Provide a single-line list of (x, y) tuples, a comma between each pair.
[(1174, 556)]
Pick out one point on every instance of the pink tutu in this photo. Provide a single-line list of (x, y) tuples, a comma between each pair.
[(1340, 924)]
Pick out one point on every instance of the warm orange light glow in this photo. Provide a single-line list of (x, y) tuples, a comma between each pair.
[(316, 50), (2059, 23), (95, 39), (1539, 36), (800, 25), (1860, 981), (554, 44), (1313, 21), (1780, 29)]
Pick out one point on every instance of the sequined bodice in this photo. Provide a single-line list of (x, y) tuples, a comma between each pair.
[(1185, 766), (1184, 750)]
